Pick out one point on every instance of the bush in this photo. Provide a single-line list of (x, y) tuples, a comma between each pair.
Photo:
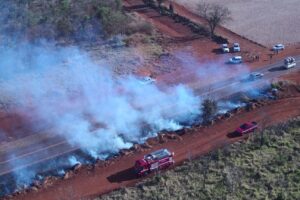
[(144, 27), (112, 18), (209, 110), (64, 28)]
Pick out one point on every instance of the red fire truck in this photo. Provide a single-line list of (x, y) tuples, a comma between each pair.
[(156, 160)]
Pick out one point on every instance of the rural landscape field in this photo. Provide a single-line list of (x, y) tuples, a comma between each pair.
[(149, 99), (268, 22)]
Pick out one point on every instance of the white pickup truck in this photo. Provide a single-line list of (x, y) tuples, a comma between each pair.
[(225, 48), (289, 62)]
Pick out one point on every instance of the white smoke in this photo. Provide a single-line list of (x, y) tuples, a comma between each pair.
[(73, 160), (218, 78), (226, 106), (84, 102)]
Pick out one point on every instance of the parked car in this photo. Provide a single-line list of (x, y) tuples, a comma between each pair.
[(225, 48), (289, 62), (246, 128), (236, 47), (147, 80), (278, 47), (236, 60), (255, 75)]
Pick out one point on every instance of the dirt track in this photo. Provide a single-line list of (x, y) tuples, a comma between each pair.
[(104, 179)]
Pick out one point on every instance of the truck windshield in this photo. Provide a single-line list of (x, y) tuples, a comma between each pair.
[(138, 168), (244, 126)]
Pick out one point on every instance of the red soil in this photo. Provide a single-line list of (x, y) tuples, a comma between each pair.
[(180, 39), (14, 126)]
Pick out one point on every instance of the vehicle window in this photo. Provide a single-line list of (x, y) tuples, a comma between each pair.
[(138, 168)]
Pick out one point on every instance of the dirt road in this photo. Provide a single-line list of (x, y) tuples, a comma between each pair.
[(118, 174)]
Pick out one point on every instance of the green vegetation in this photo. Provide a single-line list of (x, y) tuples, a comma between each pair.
[(112, 17), (73, 19), (266, 166)]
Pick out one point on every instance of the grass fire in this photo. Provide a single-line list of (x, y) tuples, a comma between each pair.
[(101, 95)]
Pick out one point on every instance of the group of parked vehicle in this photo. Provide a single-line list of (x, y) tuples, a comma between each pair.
[(235, 48), (238, 59)]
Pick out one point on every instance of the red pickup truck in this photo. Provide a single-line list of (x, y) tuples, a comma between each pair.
[(246, 128)]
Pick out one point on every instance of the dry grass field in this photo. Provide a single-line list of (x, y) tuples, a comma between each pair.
[(264, 21)]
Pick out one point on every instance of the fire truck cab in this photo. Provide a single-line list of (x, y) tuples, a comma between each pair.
[(156, 160)]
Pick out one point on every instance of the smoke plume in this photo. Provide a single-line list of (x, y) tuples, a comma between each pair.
[(84, 102)]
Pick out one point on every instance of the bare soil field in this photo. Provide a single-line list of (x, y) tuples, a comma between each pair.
[(266, 22)]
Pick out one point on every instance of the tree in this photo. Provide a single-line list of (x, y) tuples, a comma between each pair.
[(209, 110), (214, 14)]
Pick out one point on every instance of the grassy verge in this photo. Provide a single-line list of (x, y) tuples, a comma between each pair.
[(266, 166)]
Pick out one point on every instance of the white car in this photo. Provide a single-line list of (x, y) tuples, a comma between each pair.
[(225, 48), (236, 60), (289, 62), (147, 80), (278, 47), (255, 75), (236, 47)]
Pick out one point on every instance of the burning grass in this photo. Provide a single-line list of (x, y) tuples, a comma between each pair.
[(36, 177), (266, 165), (33, 179)]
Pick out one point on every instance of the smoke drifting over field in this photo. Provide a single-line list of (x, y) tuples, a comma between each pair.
[(61, 88), (211, 76), (84, 102)]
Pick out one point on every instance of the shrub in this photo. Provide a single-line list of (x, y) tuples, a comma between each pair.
[(112, 18), (209, 110)]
